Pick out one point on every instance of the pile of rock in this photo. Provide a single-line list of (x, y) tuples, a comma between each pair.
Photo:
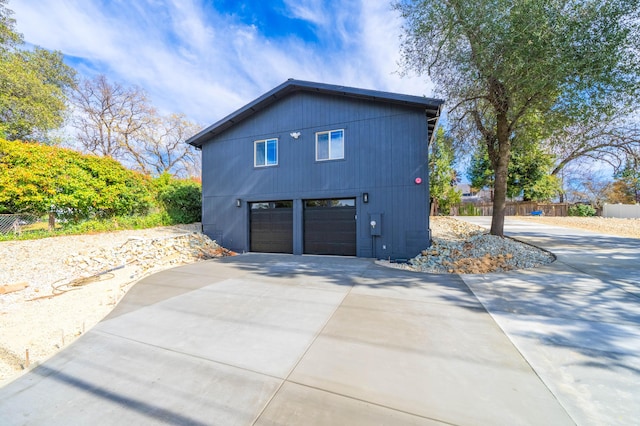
[(462, 248), (145, 255), (450, 228)]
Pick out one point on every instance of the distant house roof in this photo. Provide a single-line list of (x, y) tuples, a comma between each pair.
[(431, 106)]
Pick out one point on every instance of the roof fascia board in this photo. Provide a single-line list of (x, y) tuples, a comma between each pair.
[(432, 106)]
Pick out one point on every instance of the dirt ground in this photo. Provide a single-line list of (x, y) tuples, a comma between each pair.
[(604, 225), (71, 283)]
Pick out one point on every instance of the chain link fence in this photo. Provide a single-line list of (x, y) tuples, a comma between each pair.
[(17, 223)]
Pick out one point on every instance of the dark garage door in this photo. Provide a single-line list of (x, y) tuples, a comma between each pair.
[(271, 227), (330, 227)]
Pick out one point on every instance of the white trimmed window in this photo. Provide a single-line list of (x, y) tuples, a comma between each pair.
[(265, 153), (330, 145)]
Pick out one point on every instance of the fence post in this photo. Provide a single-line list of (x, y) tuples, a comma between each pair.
[(52, 221)]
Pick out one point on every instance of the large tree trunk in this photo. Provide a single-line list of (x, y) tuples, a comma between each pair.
[(500, 167), (499, 199)]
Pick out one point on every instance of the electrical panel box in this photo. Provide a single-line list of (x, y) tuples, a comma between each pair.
[(375, 224)]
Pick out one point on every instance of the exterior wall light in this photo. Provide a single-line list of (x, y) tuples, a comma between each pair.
[(238, 202), (365, 197)]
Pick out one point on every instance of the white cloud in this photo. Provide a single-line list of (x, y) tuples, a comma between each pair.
[(194, 60), (380, 43), (308, 10)]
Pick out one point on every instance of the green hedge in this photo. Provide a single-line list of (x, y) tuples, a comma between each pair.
[(89, 193), (37, 179), (581, 210), (180, 198)]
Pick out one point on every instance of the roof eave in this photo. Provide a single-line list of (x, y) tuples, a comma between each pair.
[(432, 106)]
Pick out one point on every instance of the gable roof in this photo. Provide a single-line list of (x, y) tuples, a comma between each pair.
[(431, 106)]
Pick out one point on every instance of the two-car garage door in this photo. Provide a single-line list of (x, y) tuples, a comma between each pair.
[(329, 227)]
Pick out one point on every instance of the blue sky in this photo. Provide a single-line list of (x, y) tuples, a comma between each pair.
[(206, 58)]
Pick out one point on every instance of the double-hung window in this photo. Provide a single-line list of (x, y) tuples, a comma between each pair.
[(265, 153), (330, 145)]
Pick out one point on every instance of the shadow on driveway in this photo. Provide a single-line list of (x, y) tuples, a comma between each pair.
[(577, 320)]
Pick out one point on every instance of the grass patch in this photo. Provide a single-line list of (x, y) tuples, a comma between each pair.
[(92, 226)]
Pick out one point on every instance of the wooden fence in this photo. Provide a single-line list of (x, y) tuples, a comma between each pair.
[(522, 208)]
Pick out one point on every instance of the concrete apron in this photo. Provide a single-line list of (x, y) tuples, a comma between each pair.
[(575, 321), (280, 339)]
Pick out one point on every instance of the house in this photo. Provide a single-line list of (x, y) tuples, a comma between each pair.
[(472, 195), (311, 168)]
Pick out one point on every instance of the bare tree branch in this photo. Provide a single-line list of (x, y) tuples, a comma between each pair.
[(119, 122)]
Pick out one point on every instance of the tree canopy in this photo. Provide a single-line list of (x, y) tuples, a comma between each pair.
[(508, 68), (108, 115), (601, 137), (120, 122), (529, 173), (33, 85), (8, 36), (442, 175), (626, 188)]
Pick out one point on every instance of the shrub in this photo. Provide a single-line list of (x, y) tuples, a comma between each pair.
[(180, 198), (37, 178), (116, 223), (581, 210), (469, 210), (93, 226)]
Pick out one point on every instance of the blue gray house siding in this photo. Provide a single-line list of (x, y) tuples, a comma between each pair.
[(385, 151)]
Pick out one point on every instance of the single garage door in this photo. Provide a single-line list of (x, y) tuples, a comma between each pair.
[(271, 227), (330, 227)]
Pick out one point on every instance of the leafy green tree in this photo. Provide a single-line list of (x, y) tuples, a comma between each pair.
[(8, 36), (33, 85), (529, 173), (442, 175), (626, 187), (500, 62), (480, 173)]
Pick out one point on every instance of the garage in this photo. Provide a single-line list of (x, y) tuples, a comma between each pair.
[(271, 227), (330, 226)]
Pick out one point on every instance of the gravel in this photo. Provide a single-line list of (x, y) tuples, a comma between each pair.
[(463, 248), (45, 261), (604, 225), (460, 247)]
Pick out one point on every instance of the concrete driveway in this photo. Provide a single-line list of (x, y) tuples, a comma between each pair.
[(286, 340), (577, 320)]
